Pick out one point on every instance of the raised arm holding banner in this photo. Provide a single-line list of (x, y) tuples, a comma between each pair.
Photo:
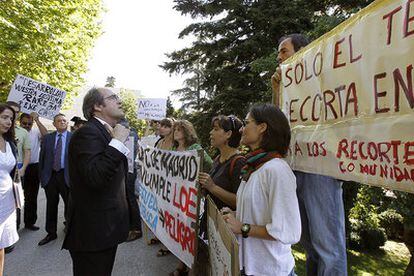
[(35, 96), (349, 96)]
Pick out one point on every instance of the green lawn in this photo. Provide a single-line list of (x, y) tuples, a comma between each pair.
[(391, 259)]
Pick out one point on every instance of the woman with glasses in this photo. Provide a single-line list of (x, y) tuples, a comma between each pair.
[(8, 151), (267, 219)]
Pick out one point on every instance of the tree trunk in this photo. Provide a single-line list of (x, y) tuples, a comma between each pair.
[(409, 242)]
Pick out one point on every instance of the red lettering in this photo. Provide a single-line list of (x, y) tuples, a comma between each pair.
[(317, 73), (341, 167), (351, 97), (302, 117), (337, 52), (377, 94), (383, 153), (307, 77), (351, 51), (395, 144), (322, 146), (353, 150), (329, 103), (342, 148), (408, 19), (409, 153), (408, 89), (317, 96), (297, 149), (372, 155), (288, 77), (389, 24), (296, 73), (363, 156), (292, 120), (338, 90)]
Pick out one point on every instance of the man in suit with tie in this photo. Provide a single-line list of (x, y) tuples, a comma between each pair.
[(98, 212), (54, 174)]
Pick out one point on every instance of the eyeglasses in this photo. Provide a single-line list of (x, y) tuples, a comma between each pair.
[(114, 97)]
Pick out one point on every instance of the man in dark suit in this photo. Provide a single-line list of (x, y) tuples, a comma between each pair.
[(98, 212), (54, 174)]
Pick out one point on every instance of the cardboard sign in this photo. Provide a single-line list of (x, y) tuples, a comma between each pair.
[(34, 96), (349, 99), (223, 245), (152, 109), (168, 198)]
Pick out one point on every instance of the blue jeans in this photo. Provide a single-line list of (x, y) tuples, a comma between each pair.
[(323, 224)]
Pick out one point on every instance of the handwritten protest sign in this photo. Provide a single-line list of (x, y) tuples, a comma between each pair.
[(223, 246), (152, 109), (34, 96), (349, 98), (168, 197)]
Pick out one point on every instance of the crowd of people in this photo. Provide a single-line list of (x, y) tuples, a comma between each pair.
[(267, 205)]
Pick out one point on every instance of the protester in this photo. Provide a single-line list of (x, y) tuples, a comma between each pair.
[(320, 200), (135, 231), (8, 162), (224, 178), (186, 139), (99, 217), (31, 177), (54, 173), (23, 155), (267, 215), (166, 141)]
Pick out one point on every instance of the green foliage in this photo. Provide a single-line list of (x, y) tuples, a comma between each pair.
[(110, 81), (129, 105), (366, 232), (392, 222), (49, 41), (233, 57)]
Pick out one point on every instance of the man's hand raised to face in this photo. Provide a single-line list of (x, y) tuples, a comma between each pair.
[(121, 133)]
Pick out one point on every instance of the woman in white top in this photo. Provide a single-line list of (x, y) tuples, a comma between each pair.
[(267, 220), (8, 231)]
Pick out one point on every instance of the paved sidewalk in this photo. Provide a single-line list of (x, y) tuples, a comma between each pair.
[(133, 258)]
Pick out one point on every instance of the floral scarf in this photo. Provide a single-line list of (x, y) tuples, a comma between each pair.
[(256, 159)]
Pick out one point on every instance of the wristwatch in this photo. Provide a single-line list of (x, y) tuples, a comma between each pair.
[(245, 229)]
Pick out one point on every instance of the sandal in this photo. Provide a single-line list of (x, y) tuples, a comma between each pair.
[(163, 252), (153, 241), (179, 272)]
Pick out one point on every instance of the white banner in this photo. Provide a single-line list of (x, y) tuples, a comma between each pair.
[(34, 96), (168, 198), (152, 109), (350, 101)]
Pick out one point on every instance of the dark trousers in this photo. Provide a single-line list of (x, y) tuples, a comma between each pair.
[(134, 216), (55, 187), (93, 263), (31, 190)]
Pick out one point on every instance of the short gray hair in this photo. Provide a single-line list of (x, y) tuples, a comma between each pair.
[(92, 98)]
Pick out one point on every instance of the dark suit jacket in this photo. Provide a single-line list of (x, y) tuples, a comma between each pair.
[(47, 155), (98, 209)]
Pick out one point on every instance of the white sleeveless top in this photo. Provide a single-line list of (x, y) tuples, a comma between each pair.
[(7, 163)]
